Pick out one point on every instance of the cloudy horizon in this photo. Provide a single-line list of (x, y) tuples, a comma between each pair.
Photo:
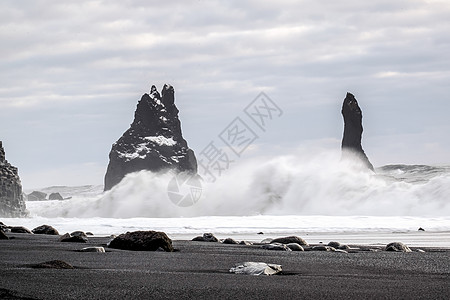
[(72, 73)]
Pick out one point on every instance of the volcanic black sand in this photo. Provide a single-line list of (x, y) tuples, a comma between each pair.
[(200, 270)]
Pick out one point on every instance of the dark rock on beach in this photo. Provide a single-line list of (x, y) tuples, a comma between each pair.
[(295, 247), (397, 247), (153, 142), (79, 233), (323, 248), (12, 203), (338, 245), (142, 241), (276, 247), (246, 243), (67, 238), (290, 239), (3, 235), (19, 229), (230, 241), (206, 237), (45, 229), (353, 129), (55, 196)]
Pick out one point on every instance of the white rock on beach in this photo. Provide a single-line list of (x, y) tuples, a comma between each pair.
[(256, 268), (93, 249)]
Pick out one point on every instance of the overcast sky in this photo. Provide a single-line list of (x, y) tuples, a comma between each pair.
[(71, 73)]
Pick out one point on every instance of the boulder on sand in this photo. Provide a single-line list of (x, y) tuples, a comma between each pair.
[(256, 268), (3, 236), (67, 238), (276, 247), (93, 249), (289, 240), (79, 233), (142, 241), (207, 237), (230, 241), (397, 247), (45, 229), (19, 229)]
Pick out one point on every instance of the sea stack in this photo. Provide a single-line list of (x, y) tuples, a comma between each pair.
[(353, 129), (153, 142), (12, 203)]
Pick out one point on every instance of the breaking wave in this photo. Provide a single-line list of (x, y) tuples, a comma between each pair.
[(301, 184)]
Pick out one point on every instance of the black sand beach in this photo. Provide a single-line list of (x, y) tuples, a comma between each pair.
[(200, 270)]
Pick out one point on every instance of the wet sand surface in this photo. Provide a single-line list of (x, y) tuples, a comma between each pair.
[(200, 270)]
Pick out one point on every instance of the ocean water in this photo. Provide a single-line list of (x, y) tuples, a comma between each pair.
[(292, 194)]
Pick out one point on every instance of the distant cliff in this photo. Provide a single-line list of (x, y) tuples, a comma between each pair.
[(153, 142), (353, 129), (12, 203)]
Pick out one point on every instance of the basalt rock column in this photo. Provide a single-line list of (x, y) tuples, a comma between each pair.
[(153, 142), (11, 199), (353, 129)]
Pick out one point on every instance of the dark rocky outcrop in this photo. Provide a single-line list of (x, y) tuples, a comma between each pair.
[(153, 142), (142, 241), (353, 129), (290, 239), (37, 196), (55, 196), (45, 229), (12, 203)]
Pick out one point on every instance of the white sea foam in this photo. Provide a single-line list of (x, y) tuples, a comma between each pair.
[(314, 196), (301, 184)]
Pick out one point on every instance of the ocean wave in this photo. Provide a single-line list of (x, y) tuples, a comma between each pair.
[(300, 184)]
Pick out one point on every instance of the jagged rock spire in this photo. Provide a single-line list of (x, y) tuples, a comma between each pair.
[(154, 140), (353, 129)]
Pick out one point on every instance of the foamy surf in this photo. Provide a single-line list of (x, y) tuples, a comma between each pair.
[(284, 185)]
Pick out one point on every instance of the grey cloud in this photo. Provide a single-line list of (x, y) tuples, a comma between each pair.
[(88, 62)]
